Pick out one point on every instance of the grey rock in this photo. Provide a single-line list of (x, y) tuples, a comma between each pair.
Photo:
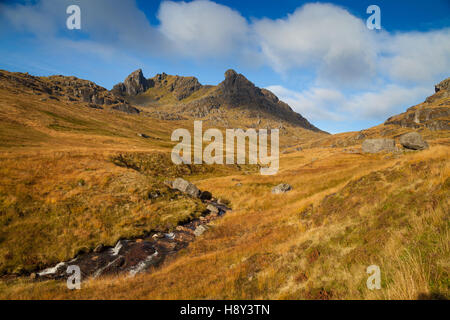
[(186, 187), (378, 145), (413, 141), (443, 86), (212, 208), (134, 84), (281, 188), (199, 230)]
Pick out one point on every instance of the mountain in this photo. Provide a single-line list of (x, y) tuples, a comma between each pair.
[(433, 113), (233, 101), (63, 88)]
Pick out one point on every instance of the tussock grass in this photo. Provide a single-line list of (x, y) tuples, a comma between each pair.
[(72, 177), (314, 242)]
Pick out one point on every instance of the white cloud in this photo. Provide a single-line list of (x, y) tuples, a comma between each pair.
[(112, 23), (417, 57), (314, 104), (319, 104), (202, 28), (322, 36), (39, 19), (385, 102)]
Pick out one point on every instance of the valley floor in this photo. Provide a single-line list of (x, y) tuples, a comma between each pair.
[(346, 211)]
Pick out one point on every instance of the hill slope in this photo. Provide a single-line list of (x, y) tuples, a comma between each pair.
[(75, 174), (228, 103)]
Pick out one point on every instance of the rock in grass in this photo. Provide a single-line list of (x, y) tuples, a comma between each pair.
[(212, 209), (199, 230), (378, 145), (186, 187), (281, 188), (413, 141)]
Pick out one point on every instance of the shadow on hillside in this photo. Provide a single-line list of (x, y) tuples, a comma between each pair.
[(432, 296)]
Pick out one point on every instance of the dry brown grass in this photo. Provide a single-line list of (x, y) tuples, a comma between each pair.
[(392, 213), (345, 212)]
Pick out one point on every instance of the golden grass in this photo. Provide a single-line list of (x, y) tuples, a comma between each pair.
[(61, 192), (393, 213)]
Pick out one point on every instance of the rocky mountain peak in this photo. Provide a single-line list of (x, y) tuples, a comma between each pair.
[(444, 85), (236, 83), (134, 84)]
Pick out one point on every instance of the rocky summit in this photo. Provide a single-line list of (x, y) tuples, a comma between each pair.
[(177, 98)]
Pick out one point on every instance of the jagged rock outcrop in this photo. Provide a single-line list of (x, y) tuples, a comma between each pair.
[(134, 84), (433, 114), (444, 85), (181, 87), (236, 91), (63, 88)]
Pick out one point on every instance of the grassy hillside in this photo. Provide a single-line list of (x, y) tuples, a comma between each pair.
[(345, 213), (72, 177)]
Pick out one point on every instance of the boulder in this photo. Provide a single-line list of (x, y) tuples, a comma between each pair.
[(213, 208), (199, 230), (186, 187), (378, 145), (413, 141), (281, 188)]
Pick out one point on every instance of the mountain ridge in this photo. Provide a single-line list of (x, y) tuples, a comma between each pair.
[(192, 98)]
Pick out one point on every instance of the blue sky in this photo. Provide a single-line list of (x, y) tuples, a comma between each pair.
[(317, 56)]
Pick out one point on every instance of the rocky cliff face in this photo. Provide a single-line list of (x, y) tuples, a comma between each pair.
[(433, 114), (180, 87), (65, 88), (236, 92), (134, 84)]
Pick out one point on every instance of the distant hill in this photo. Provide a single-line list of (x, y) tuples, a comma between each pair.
[(234, 100)]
